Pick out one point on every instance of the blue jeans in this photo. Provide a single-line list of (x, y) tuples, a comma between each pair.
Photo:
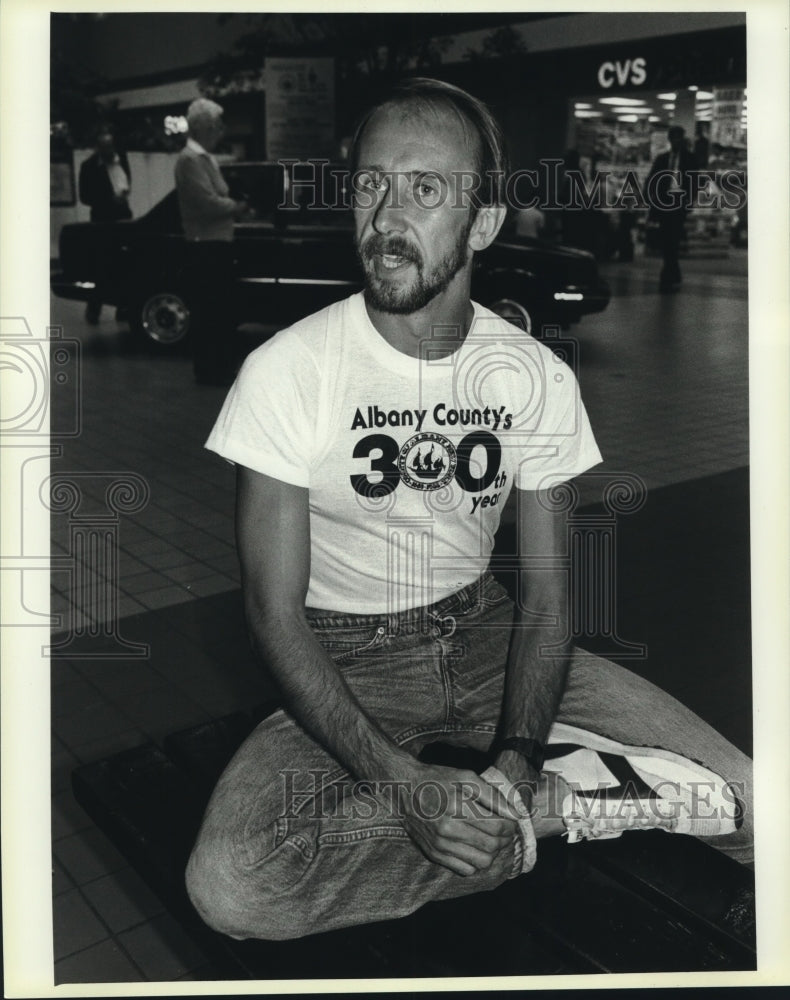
[(288, 848)]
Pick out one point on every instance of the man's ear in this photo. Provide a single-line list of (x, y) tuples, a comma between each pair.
[(487, 224)]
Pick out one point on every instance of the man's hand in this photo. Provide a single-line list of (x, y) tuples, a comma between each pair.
[(457, 819)]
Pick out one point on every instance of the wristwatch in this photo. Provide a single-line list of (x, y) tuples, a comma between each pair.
[(531, 750)]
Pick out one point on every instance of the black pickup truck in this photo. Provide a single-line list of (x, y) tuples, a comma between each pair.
[(293, 257)]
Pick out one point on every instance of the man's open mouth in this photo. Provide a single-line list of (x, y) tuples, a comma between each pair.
[(392, 261)]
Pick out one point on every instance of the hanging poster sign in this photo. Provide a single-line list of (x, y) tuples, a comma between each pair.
[(726, 126), (300, 108)]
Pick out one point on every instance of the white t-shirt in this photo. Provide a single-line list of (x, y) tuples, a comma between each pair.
[(408, 461)]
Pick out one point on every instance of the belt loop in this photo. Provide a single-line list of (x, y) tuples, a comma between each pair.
[(442, 621)]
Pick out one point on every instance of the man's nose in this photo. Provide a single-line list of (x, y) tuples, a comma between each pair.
[(389, 215)]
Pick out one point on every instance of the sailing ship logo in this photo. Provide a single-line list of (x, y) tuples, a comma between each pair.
[(427, 461)]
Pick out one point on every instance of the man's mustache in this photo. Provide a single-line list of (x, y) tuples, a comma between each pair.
[(395, 246)]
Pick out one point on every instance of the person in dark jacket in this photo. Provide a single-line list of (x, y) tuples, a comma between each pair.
[(668, 192), (104, 185)]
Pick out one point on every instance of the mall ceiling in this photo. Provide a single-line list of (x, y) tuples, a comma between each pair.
[(343, 34)]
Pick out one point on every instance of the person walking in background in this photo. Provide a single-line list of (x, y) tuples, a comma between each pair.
[(105, 182), (207, 216), (667, 190)]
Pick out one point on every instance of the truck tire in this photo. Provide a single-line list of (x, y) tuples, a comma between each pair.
[(163, 317), (514, 312)]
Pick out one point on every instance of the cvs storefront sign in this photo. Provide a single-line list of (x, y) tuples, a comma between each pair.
[(622, 72)]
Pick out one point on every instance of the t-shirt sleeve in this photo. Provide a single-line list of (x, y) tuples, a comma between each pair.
[(559, 443), (267, 422)]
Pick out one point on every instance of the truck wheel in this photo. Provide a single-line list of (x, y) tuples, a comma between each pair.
[(163, 317), (516, 314), (513, 312)]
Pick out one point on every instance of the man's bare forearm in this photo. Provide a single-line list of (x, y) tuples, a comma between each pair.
[(534, 685), (318, 697), (540, 650)]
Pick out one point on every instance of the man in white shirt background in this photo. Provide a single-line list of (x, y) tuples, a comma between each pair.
[(207, 216)]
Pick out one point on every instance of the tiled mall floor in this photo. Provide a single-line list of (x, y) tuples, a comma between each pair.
[(665, 382)]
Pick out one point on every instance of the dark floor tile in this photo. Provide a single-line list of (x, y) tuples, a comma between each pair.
[(169, 561), (215, 584), (165, 710), (140, 583), (95, 721), (162, 949), (68, 817), (62, 673), (233, 680), (128, 606), (218, 702), (75, 925), (203, 974), (63, 763), (129, 565), (187, 573), (120, 679), (216, 548), (73, 696), (102, 963), (60, 880), (164, 597), (190, 539), (88, 855), (142, 547), (226, 564), (209, 519), (212, 621), (122, 900), (87, 753)]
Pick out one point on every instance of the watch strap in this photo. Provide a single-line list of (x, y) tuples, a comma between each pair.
[(531, 750)]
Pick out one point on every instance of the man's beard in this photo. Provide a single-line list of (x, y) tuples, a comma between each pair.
[(408, 297)]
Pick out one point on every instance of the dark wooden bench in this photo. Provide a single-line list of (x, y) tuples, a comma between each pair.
[(647, 902)]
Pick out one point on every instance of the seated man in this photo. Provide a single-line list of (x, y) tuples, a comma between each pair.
[(376, 442)]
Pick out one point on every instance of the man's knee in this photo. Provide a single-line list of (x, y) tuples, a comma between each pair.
[(242, 900)]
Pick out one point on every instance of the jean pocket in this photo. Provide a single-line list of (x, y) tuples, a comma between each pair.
[(346, 644), (285, 866), (494, 596)]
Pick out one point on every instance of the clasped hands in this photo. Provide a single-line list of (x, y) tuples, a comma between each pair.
[(458, 819)]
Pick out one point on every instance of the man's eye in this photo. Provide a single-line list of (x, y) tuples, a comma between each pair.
[(372, 182), (428, 188)]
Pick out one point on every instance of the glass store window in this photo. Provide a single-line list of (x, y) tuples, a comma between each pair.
[(630, 129), (619, 136)]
